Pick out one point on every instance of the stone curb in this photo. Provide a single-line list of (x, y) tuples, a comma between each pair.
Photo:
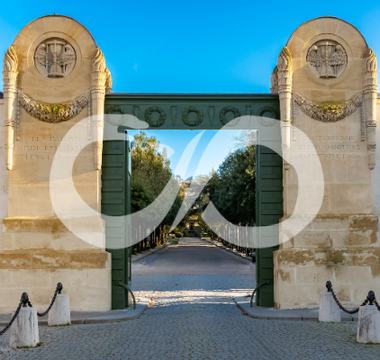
[(273, 314), (222, 247), (107, 317), (150, 252)]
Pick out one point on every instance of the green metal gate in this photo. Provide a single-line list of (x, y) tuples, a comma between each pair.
[(116, 202), (116, 177)]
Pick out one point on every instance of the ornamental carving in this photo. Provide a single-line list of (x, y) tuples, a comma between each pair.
[(267, 116), (53, 113), (152, 112), (55, 58), (224, 111), (115, 109), (274, 81), (370, 61), (98, 61), (285, 61), (194, 121), (327, 59), (108, 84), (10, 61), (328, 112)]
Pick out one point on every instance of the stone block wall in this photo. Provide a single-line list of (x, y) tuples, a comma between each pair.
[(344, 250), (3, 174)]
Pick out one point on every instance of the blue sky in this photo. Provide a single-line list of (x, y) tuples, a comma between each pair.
[(193, 46)]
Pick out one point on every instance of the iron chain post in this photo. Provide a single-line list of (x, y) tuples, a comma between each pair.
[(57, 291), (24, 302), (329, 289)]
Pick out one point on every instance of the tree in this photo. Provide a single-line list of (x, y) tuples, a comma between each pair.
[(231, 189), (234, 192), (150, 173)]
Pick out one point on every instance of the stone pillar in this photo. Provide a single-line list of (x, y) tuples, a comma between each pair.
[(370, 98), (10, 103), (60, 311), (24, 330), (46, 224), (328, 309), (368, 325), (327, 88), (98, 81), (284, 77)]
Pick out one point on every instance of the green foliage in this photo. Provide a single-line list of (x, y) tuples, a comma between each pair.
[(175, 240), (232, 189), (150, 171), (150, 174)]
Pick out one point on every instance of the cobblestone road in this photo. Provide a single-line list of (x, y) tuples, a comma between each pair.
[(194, 317)]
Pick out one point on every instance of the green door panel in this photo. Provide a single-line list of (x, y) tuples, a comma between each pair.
[(116, 203), (269, 210)]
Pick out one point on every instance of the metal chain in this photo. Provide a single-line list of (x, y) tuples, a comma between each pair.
[(24, 302), (377, 305), (57, 291), (329, 288), (12, 320)]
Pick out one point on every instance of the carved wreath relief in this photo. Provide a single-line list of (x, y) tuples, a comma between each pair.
[(327, 59), (55, 58)]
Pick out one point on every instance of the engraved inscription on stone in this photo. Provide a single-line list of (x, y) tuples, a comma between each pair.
[(332, 147), (40, 148), (54, 58), (326, 59)]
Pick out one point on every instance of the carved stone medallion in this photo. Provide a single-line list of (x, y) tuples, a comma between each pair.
[(327, 59), (55, 58)]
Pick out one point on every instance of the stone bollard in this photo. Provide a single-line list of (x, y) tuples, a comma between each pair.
[(328, 309), (59, 314), (24, 330), (369, 322)]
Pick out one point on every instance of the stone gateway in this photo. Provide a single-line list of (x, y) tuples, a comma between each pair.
[(55, 75)]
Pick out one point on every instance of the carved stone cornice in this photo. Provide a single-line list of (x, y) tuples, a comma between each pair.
[(53, 113), (328, 112)]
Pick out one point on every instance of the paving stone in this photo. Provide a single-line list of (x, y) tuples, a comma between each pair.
[(196, 319)]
